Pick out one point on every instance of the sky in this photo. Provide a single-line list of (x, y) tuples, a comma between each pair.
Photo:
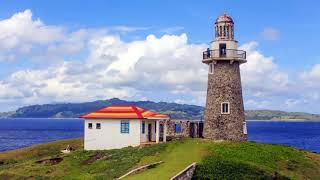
[(79, 51)]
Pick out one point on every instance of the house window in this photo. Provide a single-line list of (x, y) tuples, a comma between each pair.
[(143, 127), (178, 128), (98, 126), (124, 127), (225, 108), (211, 68), (89, 125)]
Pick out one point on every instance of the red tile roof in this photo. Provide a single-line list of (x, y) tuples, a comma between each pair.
[(124, 112)]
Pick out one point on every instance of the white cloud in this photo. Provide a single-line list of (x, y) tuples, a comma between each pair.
[(20, 32), (311, 78), (260, 75), (270, 33), (9, 92), (257, 104), (172, 30), (166, 68), (123, 28)]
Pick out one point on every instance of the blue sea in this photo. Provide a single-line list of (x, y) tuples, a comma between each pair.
[(18, 133)]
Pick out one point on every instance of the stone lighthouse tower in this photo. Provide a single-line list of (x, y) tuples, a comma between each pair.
[(224, 113)]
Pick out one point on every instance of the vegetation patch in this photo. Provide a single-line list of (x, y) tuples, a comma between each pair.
[(41, 150), (227, 160), (216, 160), (177, 156), (79, 164), (215, 167), (7, 162)]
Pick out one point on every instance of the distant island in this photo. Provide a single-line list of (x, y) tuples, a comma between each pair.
[(175, 110)]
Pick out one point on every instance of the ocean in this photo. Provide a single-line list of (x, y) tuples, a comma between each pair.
[(18, 133)]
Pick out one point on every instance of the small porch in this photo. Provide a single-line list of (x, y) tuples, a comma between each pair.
[(153, 131)]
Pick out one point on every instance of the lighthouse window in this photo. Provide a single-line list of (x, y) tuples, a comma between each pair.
[(227, 31), (216, 31), (211, 68), (224, 31), (223, 50), (231, 31), (225, 108)]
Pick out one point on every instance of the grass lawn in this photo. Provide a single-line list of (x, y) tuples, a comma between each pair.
[(22, 163), (216, 160), (235, 160), (248, 160), (177, 156)]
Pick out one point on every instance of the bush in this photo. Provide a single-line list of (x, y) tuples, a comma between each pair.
[(215, 167)]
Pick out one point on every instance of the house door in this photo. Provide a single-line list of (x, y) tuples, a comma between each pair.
[(200, 129), (161, 132), (222, 50), (149, 132), (191, 130)]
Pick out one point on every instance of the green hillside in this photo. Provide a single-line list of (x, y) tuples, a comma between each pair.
[(176, 111), (74, 110), (279, 115), (216, 160)]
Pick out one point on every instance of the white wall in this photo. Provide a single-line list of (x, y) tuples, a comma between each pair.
[(230, 44), (144, 136), (109, 136)]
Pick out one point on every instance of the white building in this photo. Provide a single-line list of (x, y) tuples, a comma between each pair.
[(121, 126)]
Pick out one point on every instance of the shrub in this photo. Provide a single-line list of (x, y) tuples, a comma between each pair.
[(215, 167)]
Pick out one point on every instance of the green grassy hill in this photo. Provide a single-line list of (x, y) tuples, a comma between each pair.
[(176, 111), (216, 160), (279, 115)]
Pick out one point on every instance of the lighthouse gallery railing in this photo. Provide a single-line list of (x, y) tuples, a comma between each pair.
[(225, 53)]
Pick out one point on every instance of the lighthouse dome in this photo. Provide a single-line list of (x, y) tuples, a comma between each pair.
[(224, 18), (224, 28)]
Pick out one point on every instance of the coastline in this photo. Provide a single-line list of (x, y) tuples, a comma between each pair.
[(29, 131)]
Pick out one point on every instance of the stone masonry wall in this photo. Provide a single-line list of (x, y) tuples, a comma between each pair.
[(224, 85), (186, 126), (171, 128)]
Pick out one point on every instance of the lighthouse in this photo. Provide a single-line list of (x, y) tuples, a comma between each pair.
[(224, 114)]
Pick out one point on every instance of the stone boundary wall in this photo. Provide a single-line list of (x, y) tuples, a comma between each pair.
[(139, 169), (186, 128), (185, 174)]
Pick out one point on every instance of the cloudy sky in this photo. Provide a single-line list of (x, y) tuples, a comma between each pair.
[(57, 51)]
